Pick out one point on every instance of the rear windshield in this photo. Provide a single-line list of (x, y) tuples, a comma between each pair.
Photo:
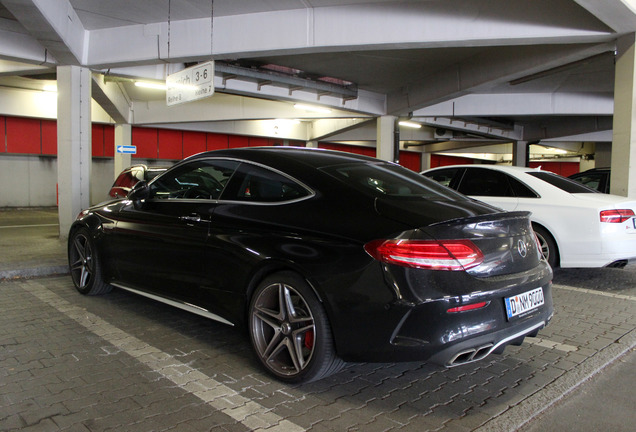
[(388, 180), (562, 183)]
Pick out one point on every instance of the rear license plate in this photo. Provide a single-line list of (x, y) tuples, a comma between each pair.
[(523, 303), (631, 226)]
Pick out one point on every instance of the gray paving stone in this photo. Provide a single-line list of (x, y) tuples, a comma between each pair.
[(49, 361)]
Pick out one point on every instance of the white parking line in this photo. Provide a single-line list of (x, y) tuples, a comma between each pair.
[(29, 226), (220, 397), (546, 343), (600, 293)]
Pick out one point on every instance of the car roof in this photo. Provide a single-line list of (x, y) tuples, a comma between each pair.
[(505, 168), (313, 157)]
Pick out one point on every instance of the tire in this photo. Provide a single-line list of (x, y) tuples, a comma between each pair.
[(289, 330), (548, 246), (84, 264)]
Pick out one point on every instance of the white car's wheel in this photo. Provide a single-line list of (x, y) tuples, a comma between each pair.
[(548, 245)]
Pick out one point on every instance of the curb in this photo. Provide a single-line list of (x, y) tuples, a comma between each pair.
[(527, 410), (33, 272)]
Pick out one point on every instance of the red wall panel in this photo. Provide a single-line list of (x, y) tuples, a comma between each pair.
[(443, 160), (146, 141), (411, 160), (236, 141), (275, 142), (109, 140), (193, 143), (23, 135), (217, 141), (3, 141), (170, 144), (562, 168), (257, 142), (49, 137), (97, 140), (365, 151)]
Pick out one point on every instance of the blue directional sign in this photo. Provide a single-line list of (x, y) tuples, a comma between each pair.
[(127, 149)]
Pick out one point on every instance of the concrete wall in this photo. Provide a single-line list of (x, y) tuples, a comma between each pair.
[(30, 181)]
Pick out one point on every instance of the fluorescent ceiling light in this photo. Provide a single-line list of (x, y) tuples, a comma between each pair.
[(410, 124), (50, 87), (312, 108), (150, 85)]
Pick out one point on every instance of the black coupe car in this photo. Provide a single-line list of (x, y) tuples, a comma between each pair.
[(323, 256)]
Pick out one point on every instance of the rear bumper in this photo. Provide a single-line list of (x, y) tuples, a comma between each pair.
[(612, 245), (427, 331), (480, 347)]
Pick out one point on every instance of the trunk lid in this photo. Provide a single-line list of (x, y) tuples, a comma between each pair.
[(505, 239)]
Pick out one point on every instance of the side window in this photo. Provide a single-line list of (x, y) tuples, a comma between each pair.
[(590, 180), (485, 182), (252, 183), (201, 179), (443, 176), (521, 190), (126, 180)]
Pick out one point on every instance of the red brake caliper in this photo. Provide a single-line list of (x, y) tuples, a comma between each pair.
[(309, 339)]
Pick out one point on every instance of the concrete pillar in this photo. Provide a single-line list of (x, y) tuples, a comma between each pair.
[(624, 135), (602, 155), (386, 142), (123, 136), (586, 164), (520, 153), (426, 161), (73, 143)]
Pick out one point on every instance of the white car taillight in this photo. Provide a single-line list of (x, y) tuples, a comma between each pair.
[(616, 216), (427, 254)]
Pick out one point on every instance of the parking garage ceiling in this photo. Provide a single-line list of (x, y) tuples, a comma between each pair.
[(494, 69)]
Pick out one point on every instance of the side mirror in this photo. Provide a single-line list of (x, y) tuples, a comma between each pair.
[(139, 192)]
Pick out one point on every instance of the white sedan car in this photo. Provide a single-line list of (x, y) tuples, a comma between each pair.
[(576, 226)]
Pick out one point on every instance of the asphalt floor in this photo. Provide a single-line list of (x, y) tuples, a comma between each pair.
[(121, 362)]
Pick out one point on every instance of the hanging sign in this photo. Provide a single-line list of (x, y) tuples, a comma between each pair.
[(193, 83)]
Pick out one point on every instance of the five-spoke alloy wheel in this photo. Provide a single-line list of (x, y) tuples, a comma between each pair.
[(289, 330), (84, 264)]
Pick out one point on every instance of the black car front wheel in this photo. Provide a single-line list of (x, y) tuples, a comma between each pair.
[(84, 264), (289, 330)]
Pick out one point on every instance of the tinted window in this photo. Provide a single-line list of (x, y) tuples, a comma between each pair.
[(443, 176), (592, 180), (153, 172), (252, 183), (390, 180), (126, 180), (562, 183), (521, 190), (485, 182), (195, 180)]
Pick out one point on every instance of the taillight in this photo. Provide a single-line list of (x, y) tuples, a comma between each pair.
[(427, 254), (616, 216), (469, 307)]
